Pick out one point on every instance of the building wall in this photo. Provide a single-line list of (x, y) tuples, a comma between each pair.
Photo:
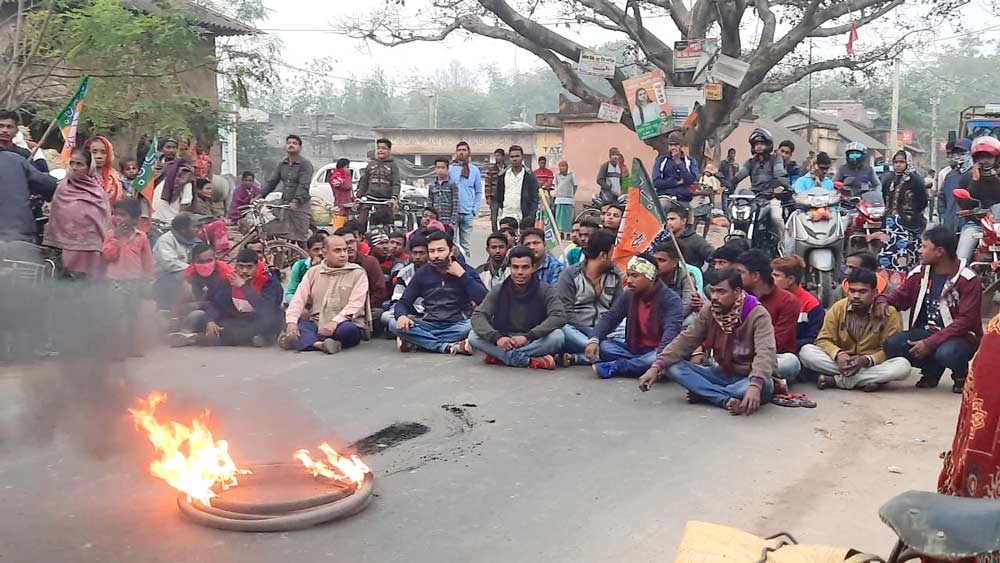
[(585, 148), (441, 142)]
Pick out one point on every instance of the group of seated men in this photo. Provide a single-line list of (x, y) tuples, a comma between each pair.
[(733, 335)]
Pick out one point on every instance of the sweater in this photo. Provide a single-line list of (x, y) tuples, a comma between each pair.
[(671, 316), (331, 296), (810, 317), (581, 302), (298, 271), (129, 259), (961, 300), (784, 310), (266, 304), (18, 181), (171, 255), (446, 298), (834, 338), (444, 197), (695, 248), (483, 316), (750, 346)]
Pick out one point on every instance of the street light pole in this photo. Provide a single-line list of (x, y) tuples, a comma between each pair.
[(894, 125), (935, 102)]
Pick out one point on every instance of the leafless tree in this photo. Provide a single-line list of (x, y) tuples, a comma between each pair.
[(776, 60)]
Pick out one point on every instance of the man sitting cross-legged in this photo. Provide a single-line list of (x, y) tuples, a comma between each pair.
[(653, 316), (328, 310), (418, 257), (449, 290), (518, 323), (737, 334), (588, 289), (849, 352)]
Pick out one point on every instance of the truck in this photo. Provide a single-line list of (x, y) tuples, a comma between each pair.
[(977, 121)]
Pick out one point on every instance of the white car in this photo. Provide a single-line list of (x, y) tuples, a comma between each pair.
[(320, 185)]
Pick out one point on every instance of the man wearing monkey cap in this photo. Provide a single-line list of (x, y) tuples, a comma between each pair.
[(653, 316)]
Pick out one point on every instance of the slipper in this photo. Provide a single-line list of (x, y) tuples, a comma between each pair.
[(796, 400), (804, 400)]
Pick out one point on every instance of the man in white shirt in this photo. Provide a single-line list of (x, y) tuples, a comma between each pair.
[(517, 189)]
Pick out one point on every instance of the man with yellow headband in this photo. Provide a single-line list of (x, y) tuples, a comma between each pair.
[(653, 315)]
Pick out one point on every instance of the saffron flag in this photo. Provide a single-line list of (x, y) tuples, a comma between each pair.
[(547, 222), (143, 182), (851, 38), (643, 218), (69, 119)]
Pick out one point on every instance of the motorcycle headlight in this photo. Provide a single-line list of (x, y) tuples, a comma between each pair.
[(824, 200), (741, 213), (877, 212)]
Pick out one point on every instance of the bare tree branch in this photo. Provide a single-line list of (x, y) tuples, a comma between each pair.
[(864, 20), (769, 20)]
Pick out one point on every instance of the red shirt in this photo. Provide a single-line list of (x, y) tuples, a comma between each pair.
[(546, 177), (129, 259), (784, 309), (648, 334)]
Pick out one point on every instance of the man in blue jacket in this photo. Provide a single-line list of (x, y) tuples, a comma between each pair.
[(449, 289), (469, 180), (653, 316), (674, 173)]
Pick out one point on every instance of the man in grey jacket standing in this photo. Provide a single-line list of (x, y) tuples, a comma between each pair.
[(518, 323), (294, 173), (588, 290)]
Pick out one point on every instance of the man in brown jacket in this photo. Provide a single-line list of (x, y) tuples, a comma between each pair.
[(737, 335)]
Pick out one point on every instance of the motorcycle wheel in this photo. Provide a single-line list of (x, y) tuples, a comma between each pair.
[(825, 289)]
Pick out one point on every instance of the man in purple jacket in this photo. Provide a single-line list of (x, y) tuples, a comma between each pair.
[(243, 195)]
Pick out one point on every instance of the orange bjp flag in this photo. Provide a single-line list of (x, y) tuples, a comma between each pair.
[(643, 218)]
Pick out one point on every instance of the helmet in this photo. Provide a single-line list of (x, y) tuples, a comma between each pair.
[(761, 135), (856, 147), (988, 145)]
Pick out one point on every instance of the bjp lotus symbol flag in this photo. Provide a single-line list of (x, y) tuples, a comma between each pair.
[(69, 119), (145, 176), (643, 218)]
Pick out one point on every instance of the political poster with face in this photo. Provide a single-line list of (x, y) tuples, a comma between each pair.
[(647, 102)]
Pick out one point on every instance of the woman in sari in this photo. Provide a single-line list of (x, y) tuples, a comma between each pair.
[(972, 467), (79, 217), (102, 156), (905, 201)]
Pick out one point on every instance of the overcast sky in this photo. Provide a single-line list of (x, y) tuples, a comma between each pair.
[(301, 25)]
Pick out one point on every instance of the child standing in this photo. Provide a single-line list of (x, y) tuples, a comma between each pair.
[(443, 194), (129, 168), (130, 268)]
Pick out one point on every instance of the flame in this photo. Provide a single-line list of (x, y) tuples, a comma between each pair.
[(336, 467), (187, 456)]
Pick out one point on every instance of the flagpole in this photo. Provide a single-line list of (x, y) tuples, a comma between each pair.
[(683, 264), (48, 131)]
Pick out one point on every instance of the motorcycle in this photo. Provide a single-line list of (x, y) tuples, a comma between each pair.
[(816, 233), (986, 258), (750, 218), (865, 224)]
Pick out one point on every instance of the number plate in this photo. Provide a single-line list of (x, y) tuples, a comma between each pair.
[(995, 248)]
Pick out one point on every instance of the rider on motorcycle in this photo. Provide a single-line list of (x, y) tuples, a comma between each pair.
[(983, 185), (856, 174), (817, 177), (766, 171), (674, 173)]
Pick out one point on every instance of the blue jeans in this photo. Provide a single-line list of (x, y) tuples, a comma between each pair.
[(520, 357), (711, 384), (433, 336), (347, 333), (954, 354), (968, 240), (575, 342), (624, 363), (465, 232)]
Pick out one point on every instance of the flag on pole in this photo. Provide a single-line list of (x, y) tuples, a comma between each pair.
[(547, 222), (643, 218), (143, 182), (851, 38), (69, 119)]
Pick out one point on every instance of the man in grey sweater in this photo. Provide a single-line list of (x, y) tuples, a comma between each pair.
[(518, 323), (588, 289)]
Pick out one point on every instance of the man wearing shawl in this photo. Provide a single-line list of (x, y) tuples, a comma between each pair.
[(653, 315), (518, 323), (173, 190), (735, 333)]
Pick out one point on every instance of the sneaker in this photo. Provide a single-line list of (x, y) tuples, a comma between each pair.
[(404, 346), (182, 339), (604, 370), (461, 347), (926, 383), (543, 362), (958, 387), (331, 346), (258, 341), (492, 360)]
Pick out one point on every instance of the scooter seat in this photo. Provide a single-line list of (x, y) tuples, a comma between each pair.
[(943, 526)]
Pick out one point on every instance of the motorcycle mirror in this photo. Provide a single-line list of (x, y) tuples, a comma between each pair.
[(961, 193), (838, 185), (58, 173)]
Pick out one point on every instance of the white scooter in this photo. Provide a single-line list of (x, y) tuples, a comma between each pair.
[(816, 233)]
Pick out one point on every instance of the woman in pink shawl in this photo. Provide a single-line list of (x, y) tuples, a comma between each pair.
[(78, 219)]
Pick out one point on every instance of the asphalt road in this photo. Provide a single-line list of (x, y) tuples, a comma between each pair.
[(546, 466)]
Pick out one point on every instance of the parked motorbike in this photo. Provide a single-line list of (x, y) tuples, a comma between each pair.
[(986, 258), (866, 220), (816, 233)]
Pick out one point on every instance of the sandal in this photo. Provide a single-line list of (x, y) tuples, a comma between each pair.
[(796, 400)]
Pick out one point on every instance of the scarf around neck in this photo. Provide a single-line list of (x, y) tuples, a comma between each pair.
[(731, 319), (171, 190), (531, 301)]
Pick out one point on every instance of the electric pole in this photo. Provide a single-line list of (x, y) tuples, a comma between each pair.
[(935, 102), (894, 124)]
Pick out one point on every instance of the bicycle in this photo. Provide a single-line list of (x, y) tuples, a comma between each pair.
[(406, 217), (279, 254)]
